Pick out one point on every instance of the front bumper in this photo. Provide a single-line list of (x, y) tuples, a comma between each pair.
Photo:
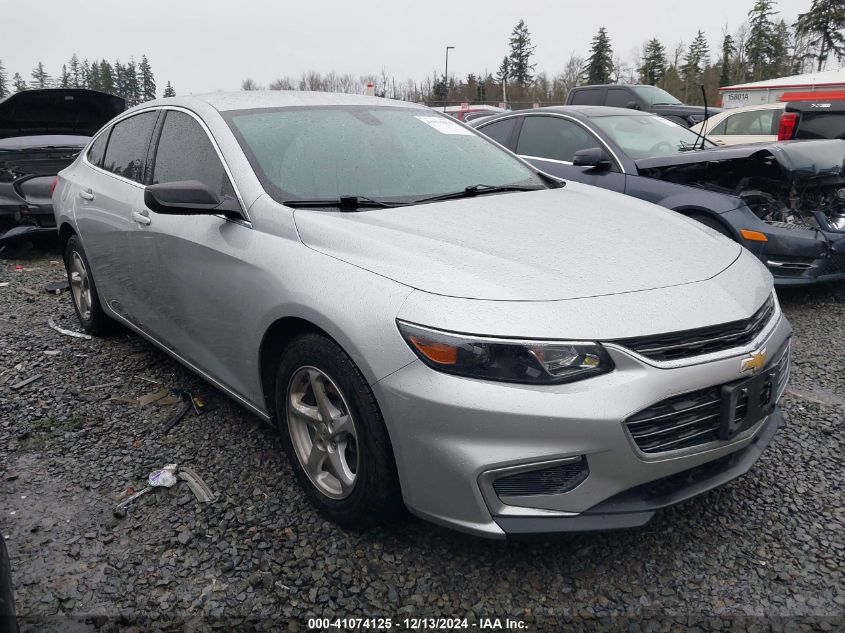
[(449, 433)]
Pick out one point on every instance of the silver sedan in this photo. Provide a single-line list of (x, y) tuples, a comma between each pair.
[(429, 321)]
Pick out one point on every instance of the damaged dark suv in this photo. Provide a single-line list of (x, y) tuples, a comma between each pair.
[(41, 132), (783, 201)]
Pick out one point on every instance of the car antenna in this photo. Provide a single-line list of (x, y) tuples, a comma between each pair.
[(703, 129)]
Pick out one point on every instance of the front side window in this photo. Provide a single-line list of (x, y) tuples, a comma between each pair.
[(643, 136), (590, 96), (129, 141), (618, 98), (185, 152), (553, 137), (98, 149), (379, 152)]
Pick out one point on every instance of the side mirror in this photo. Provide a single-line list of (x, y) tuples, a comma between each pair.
[(189, 197), (632, 105), (591, 157)]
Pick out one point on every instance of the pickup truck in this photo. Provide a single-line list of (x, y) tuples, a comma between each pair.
[(639, 97), (804, 120)]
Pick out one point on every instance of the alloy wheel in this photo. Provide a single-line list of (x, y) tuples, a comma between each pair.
[(80, 285), (323, 433)]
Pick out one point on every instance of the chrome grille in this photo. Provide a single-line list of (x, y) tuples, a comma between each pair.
[(691, 419), (706, 340)]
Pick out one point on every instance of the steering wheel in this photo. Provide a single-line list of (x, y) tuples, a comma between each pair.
[(660, 147)]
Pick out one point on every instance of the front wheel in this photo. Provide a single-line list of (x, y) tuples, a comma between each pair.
[(334, 435)]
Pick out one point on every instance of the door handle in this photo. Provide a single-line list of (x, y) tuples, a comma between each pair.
[(141, 218), (86, 194)]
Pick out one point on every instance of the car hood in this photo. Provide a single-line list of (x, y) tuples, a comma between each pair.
[(575, 242), (806, 159), (73, 111)]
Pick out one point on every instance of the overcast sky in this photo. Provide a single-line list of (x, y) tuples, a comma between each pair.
[(205, 45)]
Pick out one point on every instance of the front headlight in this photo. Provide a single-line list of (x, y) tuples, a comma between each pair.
[(529, 362)]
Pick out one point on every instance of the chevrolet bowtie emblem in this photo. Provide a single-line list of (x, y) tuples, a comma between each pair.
[(755, 362)]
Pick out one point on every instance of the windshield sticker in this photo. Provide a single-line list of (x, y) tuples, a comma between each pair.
[(444, 125)]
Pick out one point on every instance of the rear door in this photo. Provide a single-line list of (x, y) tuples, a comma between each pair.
[(194, 301), (550, 143), (109, 192)]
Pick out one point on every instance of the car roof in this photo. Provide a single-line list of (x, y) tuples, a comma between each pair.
[(582, 111), (760, 106), (252, 99)]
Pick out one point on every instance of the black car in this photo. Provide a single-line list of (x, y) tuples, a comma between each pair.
[(812, 120), (41, 132), (640, 97), (785, 202)]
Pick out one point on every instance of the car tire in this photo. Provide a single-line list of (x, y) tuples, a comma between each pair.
[(83, 291), (346, 466), (713, 223)]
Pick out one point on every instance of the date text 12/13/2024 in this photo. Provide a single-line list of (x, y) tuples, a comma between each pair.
[(415, 624)]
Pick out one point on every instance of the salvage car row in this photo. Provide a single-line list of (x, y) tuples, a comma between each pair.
[(433, 322)]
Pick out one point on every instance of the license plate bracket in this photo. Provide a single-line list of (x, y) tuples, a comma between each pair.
[(746, 402)]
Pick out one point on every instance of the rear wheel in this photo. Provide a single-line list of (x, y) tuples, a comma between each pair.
[(83, 291), (334, 435)]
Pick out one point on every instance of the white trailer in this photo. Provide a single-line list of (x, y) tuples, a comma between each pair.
[(771, 90)]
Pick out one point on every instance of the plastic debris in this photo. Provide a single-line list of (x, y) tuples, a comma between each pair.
[(201, 491), (56, 287), (164, 478), (52, 352), (3, 284), (25, 382), (60, 330)]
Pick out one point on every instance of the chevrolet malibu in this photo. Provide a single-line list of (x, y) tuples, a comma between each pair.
[(428, 320)]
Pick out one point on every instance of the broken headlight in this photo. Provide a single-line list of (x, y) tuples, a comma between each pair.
[(506, 360)]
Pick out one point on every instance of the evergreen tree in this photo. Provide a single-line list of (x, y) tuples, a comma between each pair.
[(728, 51), (75, 72), (85, 72), (40, 78), (825, 24), (761, 33), (696, 59), (4, 87), (133, 86), (519, 59), (64, 78), (93, 82), (653, 63), (504, 72), (600, 61), (146, 80), (169, 91), (119, 73), (780, 62), (18, 83), (106, 77)]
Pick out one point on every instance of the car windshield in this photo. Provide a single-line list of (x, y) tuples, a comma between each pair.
[(655, 96), (383, 153), (645, 136)]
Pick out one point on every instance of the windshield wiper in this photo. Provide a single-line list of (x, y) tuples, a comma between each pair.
[(344, 203), (477, 190)]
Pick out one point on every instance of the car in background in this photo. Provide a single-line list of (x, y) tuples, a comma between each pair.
[(640, 97), (41, 132), (427, 318), (737, 126), (469, 112), (785, 202), (803, 120)]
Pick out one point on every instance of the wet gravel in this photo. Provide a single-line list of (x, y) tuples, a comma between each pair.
[(764, 553)]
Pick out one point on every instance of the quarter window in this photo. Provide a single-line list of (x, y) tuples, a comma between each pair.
[(129, 141), (98, 148), (500, 131), (554, 138), (185, 153)]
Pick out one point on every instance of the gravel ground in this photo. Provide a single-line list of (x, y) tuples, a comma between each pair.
[(763, 553)]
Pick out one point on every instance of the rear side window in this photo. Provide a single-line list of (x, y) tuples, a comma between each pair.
[(818, 126), (554, 138), (185, 153), (126, 153), (618, 98), (98, 148), (500, 131), (587, 97)]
